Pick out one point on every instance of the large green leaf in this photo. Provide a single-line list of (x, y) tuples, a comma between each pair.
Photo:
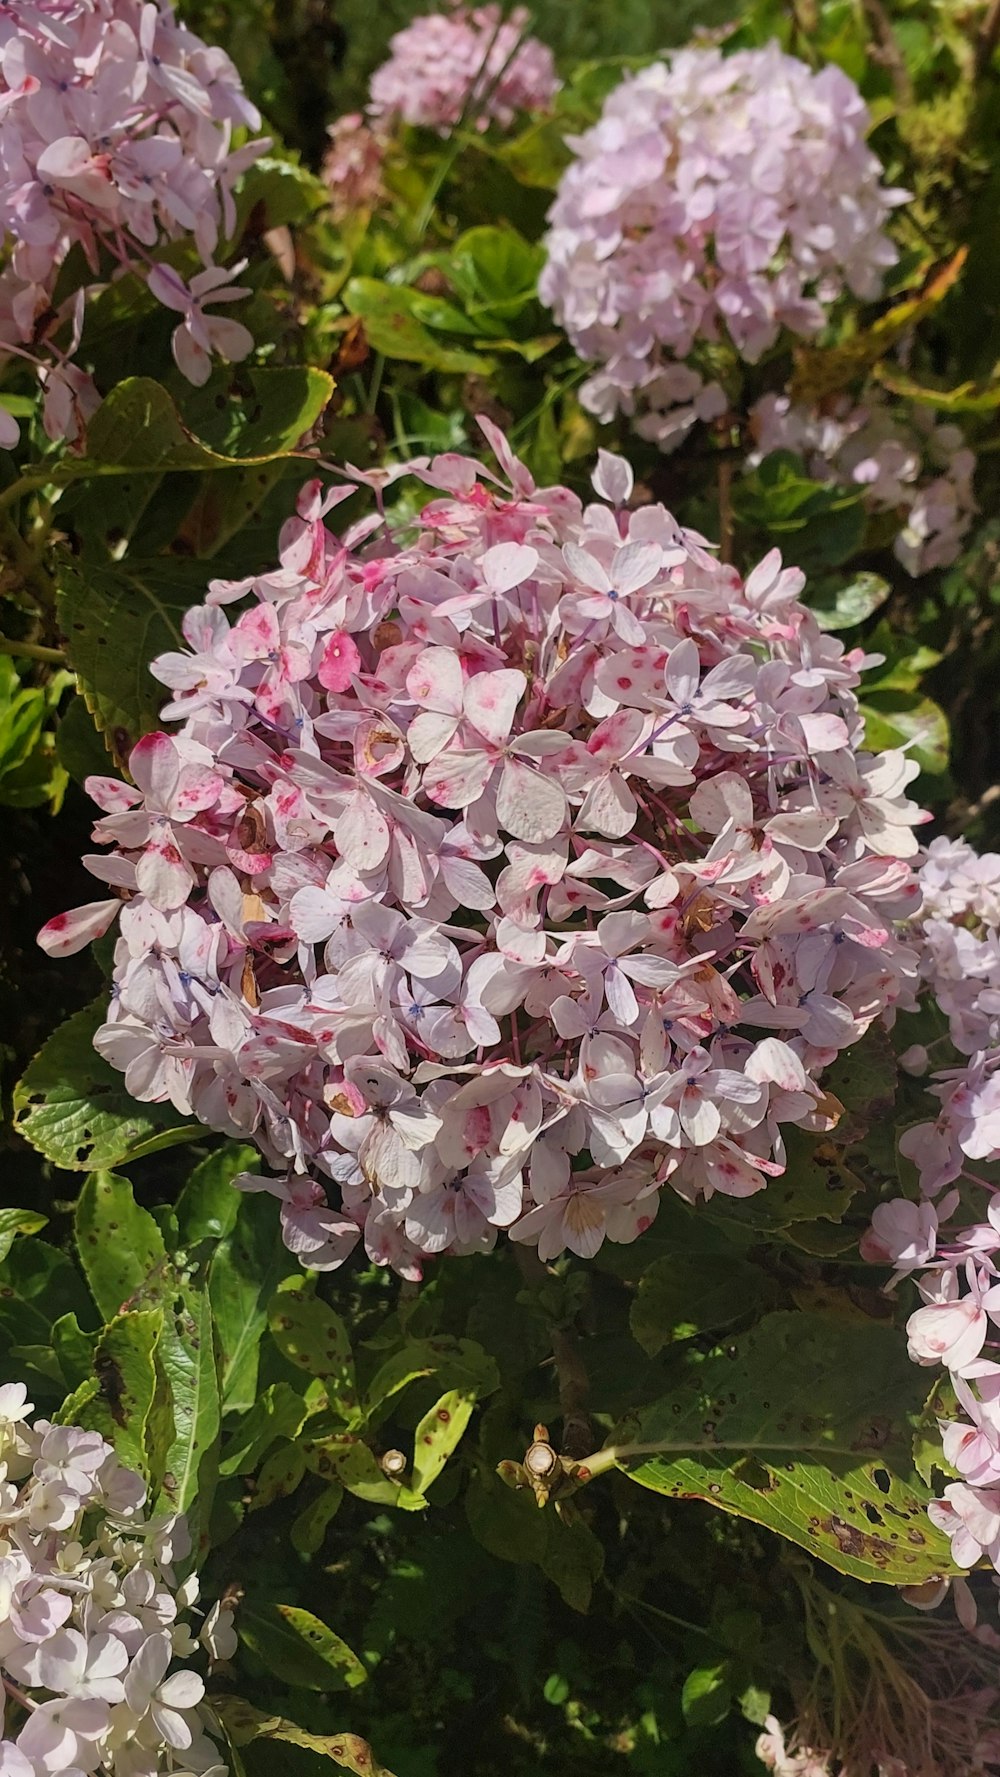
[(840, 604), (72, 1105), (138, 427), (18, 1221), (495, 270), (676, 1301), (298, 1649), (314, 1339), (458, 1363), (244, 1724), (390, 316), (803, 1425), (124, 1368), (438, 1434), (187, 1358), (121, 1248), (245, 1272), (278, 1413), (117, 617), (344, 1458), (208, 1206)]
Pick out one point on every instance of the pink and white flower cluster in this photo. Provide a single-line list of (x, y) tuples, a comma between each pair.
[(116, 126), (717, 198), (945, 1239), (906, 462), (352, 166), (94, 1636), (502, 872), (465, 64)]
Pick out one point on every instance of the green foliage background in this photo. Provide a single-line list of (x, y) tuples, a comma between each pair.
[(752, 1558)]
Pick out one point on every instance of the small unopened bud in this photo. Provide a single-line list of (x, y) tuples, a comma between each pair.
[(915, 1060), (511, 1473), (393, 1464)]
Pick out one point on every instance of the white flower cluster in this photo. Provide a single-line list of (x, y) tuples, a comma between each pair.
[(92, 1619), (906, 462), (719, 196)]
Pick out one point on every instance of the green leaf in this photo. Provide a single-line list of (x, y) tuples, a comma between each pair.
[(309, 1529), (277, 192), (842, 606), (677, 1301), (505, 1523), (496, 272), (245, 1271), (509, 1525), (438, 1434), (907, 719), (707, 1696), (392, 327), (74, 1348), (279, 1413), (459, 1363), (279, 1476), (314, 1339), (298, 1649), (139, 429), (755, 1705), (244, 1724), (187, 1357), (79, 744), (18, 1221), (208, 1206), (537, 155), (125, 1373), (802, 1425), (816, 1185), (343, 1457), (573, 1558), (117, 617), (121, 1248), (72, 1105)]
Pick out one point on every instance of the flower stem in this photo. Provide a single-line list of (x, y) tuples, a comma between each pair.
[(33, 651)]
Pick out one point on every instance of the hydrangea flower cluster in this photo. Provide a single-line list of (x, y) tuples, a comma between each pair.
[(945, 1239), (352, 166), (116, 126), (907, 463), (93, 1623), (472, 64), (719, 197), (501, 874)]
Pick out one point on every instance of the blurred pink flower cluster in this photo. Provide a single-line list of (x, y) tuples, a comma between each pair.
[(717, 197), (445, 68), (503, 872), (116, 127), (941, 1237), (92, 1618), (352, 166), (470, 64), (905, 461)]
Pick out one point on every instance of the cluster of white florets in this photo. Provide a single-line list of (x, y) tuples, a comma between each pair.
[(116, 126), (94, 1632), (502, 874), (940, 1238), (717, 198), (904, 460)]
